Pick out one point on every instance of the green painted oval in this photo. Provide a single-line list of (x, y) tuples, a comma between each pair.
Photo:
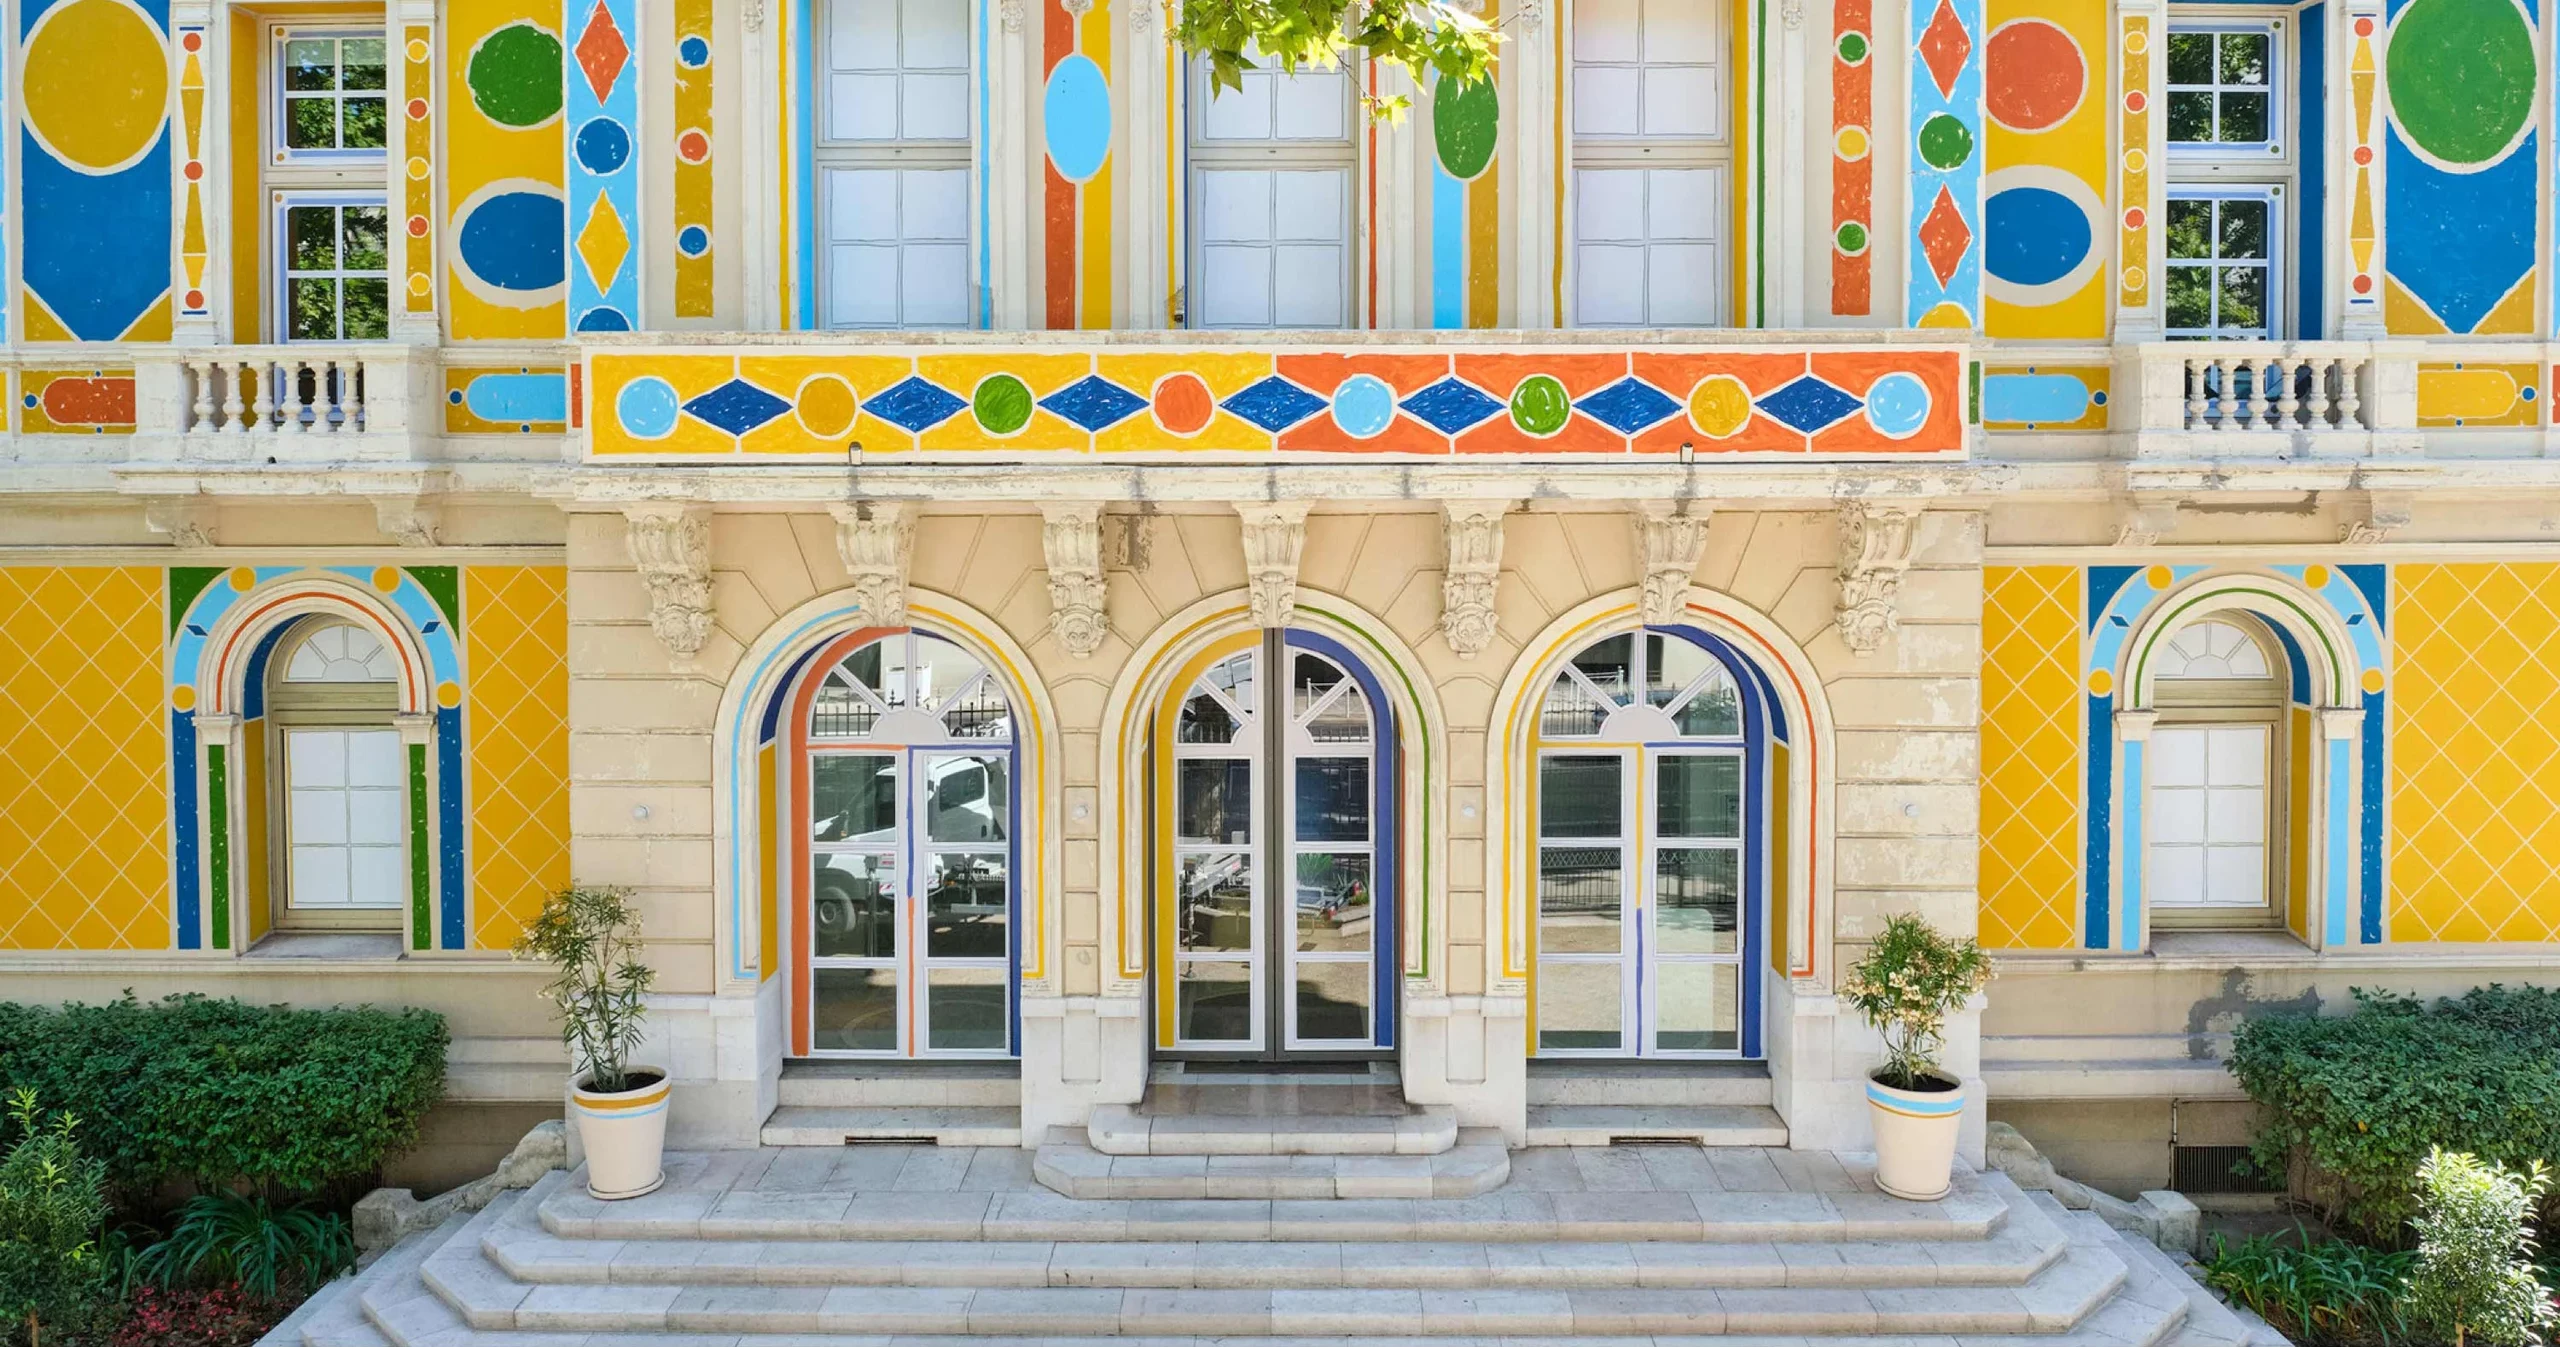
[(1539, 405), (2461, 74), (1002, 404), (1945, 142), (1852, 238), (514, 76), (1466, 123), (1853, 47)]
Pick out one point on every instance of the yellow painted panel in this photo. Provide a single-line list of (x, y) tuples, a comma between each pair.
[(516, 620), (2046, 121), (504, 151), (2468, 393), (2031, 712), (84, 804)]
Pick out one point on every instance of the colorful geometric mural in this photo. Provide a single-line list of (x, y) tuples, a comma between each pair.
[(693, 175), (2030, 862), (1466, 202), (510, 400), (2133, 164), (2044, 209), (505, 161), (194, 251), (1853, 170), (1076, 193), (417, 172), (94, 169), (2045, 397), (2462, 166), (1944, 200), (84, 810), (604, 172), (2364, 131), (2474, 393), (1893, 403), (75, 401), (518, 619)]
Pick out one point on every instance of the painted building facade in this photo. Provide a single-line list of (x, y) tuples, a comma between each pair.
[(1011, 556)]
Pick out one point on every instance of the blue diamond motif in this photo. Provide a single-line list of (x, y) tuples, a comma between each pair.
[(1627, 406), (914, 406), (1274, 403), (1807, 404), (737, 407), (1094, 403), (1450, 406)]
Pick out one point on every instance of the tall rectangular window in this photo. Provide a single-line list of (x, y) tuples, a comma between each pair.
[(893, 162), (2232, 178), (1652, 164), (327, 178), (1271, 173)]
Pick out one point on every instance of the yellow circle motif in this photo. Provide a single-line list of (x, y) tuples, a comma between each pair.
[(2137, 42), (417, 49), (2317, 577), (183, 697), (2373, 680), (1720, 406), (242, 578), (1851, 143), (1948, 314), (2101, 682), (2157, 576), (386, 578), (448, 694), (418, 168), (95, 84), (2135, 278), (2136, 161), (419, 284), (826, 406)]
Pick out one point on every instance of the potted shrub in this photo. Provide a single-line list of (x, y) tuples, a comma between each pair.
[(1911, 980), (591, 937)]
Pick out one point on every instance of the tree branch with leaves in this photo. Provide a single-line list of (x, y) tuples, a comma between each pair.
[(1425, 39)]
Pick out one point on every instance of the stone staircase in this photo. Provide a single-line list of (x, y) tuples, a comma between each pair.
[(1629, 1245), (837, 1103), (1588, 1103)]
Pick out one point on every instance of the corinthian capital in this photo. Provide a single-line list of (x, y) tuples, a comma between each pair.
[(876, 539), (1473, 532), (1671, 537), (671, 546), (1275, 533), (1875, 549), (1071, 540)]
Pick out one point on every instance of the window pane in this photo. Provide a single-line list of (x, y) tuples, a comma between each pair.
[(839, 710), (2190, 117), (2243, 298), (1699, 796), (856, 907), (1216, 897), (2190, 298), (1333, 800), (1610, 665), (2191, 58), (1578, 1006), (1214, 801), (1333, 1000), (2244, 58), (968, 800), (312, 63), (1580, 901), (1205, 720), (2244, 118), (964, 906), (368, 315), (2243, 230), (1333, 903), (312, 232), (314, 305), (965, 1010), (1696, 1007), (363, 124), (361, 63), (1715, 711), (1697, 894), (1213, 1002), (1579, 797), (363, 233), (1671, 665), (310, 123), (2191, 229), (1571, 709), (853, 798), (856, 1009)]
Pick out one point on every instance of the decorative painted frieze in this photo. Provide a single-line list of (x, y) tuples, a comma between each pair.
[(1473, 530), (1275, 534), (1071, 541), (1875, 549), (1671, 537), (671, 545)]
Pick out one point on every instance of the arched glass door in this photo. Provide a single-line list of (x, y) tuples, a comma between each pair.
[(1648, 818), (1275, 898), (909, 889)]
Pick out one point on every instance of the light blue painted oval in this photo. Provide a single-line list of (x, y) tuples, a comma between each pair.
[(1075, 114), (2034, 235), (1898, 405), (1363, 406), (2038, 399), (520, 397), (646, 406)]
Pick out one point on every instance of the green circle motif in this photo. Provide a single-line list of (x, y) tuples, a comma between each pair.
[(1945, 142), (1002, 404), (1851, 238), (1465, 123), (2461, 75), (1539, 406), (514, 76), (1853, 47)]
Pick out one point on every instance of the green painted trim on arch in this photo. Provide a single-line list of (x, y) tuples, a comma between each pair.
[(1423, 843), (421, 851), (2339, 682), (217, 791)]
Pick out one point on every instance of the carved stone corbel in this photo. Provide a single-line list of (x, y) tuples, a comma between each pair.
[(1275, 534), (1875, 549), (1071, 541), (189, 523), (876, 539), (2146, 519), (217, 728), (671, 546), (1671, 537), (1009, 14), (407, 521), (2384, 513), (1473, 531)]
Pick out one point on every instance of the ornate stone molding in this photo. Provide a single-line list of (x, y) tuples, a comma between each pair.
[(415, 727), (1473, 531), (876, 539), (189, 523), (1071, 541), (1875, 549), (2146, 519), (2383, 515), (407, 520), (1009, 14), (671, 545), (1671, 537), (1275, 534), (217, 727)]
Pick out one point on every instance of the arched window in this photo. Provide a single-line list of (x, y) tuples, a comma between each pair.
[(2214, 774), (910, 866), (340, 799), (1649, 815), (1278, 901)]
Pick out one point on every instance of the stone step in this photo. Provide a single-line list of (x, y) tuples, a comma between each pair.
[(1067, 1164), (848, 1084), (339, 1319), (1649, 1084), (1612, 1124), (1117, 1129), (932, 1124)]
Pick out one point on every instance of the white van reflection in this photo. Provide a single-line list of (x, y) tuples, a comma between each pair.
[(966, 800)]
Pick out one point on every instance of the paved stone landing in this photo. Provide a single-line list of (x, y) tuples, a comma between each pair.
[(907, 1246)]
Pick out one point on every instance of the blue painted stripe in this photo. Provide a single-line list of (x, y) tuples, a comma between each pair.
[(2100, 729), (453, 893), (1448, 249), (1924, 1106), (986, 192), (182, 738), (2369, 834), (1386, 950), (2129, 911), (2341, 840)]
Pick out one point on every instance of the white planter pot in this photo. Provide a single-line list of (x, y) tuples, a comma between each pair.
[(1915, 1138), (625, 1135)]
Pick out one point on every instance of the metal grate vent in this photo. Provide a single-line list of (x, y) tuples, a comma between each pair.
[(2216, 1169), (889, 1141)]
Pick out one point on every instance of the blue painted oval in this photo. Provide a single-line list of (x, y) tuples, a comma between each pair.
[(694, 52), (518, 397), (646, 407), (693, 240), (1363, 405), (2037, 399), (513, 241), (2033, 235), (1898, 405), (603, 146), (1075, 114)]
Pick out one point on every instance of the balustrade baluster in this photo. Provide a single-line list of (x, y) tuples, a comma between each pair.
[(2350, 401), (324, 408), (201, 411), (265, 375), (2222, 395), (2315, 408), (2195, 395), (351, 394)]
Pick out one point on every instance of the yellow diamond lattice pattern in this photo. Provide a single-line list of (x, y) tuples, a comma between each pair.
[(517, 625), (84, 758), (2475, 752), (2031, 757)]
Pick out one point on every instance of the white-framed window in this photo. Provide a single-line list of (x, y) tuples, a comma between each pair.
[(1652, 159), (2232, 174), (326, 176), (339, 800), (893, 158), (1272, 165), (332, 94), (2213, 779), (333, 269)]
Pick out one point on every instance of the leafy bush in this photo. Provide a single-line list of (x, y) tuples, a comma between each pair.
[(1910, 981), (52, 1203), (2320, 1293), (2475, 1274), (223, 1317), (591, 938), (2352, 1105), (225, 1239), (220, 1091)]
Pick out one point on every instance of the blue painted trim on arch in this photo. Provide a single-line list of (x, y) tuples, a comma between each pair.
[(804, 314), (2100, 787), (1386, 871), (2311, 142), (182, 800), (453, 895), (1759, 716), (2129, 909)]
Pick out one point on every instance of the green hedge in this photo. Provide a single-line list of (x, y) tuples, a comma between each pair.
[(2351, 1104), (218, 1092)]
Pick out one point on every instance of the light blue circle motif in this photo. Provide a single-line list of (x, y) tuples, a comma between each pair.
[(693, 240), (1076, 111), (694, 52), (2034, 235), (1898, 405), (1363, 406), (646, 406), (603, 146)]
